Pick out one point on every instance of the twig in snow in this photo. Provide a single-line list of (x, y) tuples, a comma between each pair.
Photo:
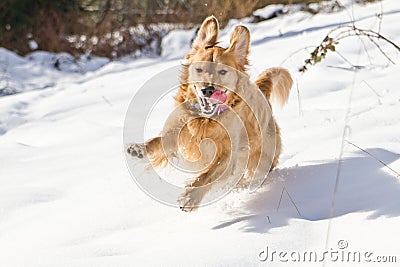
[(376, 158), (280, 199), (372, 89), (299, 99), (107, 101), (291, 200)]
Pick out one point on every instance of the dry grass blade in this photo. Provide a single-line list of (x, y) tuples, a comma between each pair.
[(376, 158)]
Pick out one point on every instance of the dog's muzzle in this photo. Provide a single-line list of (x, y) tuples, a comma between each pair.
[(208, 91), (212, 100)]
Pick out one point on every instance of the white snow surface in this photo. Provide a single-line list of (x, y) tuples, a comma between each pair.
[(67, 198)]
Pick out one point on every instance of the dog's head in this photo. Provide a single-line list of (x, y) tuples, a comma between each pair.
[(212, 72)]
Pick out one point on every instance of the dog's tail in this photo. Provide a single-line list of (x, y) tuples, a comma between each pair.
[(275, 84)]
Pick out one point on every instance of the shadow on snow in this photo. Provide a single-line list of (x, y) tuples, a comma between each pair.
[(365, 185)]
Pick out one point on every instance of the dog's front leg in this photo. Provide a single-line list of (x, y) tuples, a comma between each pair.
[(137, 150), (194, 193), (152, 149), (200, 186)]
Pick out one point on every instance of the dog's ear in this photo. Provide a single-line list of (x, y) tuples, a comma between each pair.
[(240, 44), (207, 34)]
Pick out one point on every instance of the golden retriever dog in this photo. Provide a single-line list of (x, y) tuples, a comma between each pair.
[(217, 102)]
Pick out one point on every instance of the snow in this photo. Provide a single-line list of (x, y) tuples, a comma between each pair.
[(40, 70), (33, 45), (67, 198), (176, 44)]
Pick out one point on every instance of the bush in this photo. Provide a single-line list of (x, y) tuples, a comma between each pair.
[(109, 27)]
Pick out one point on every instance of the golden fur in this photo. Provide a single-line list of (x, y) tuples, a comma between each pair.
[(274, 83)]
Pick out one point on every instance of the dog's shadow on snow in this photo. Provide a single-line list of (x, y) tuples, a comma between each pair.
[(365, 185)]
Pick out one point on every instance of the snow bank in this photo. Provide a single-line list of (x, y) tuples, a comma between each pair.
[(22, 74)]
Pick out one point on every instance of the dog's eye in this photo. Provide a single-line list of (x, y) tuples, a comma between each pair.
[(222, 72), (199, 70)]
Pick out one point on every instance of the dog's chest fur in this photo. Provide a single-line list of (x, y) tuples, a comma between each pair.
[(202, 136)]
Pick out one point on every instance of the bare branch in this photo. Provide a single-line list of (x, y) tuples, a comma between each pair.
[(342, 32)]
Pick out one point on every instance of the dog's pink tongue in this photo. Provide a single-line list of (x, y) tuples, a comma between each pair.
[(220, 98)]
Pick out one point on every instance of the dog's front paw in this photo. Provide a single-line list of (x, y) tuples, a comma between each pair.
[(137, 150), (190, 200)]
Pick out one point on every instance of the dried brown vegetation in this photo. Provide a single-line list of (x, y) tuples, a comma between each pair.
[(110, 27)]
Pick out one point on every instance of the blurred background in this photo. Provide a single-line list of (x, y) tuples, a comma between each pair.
[(111, 28)]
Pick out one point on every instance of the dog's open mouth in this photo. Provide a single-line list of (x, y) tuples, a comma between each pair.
[(214, 103)]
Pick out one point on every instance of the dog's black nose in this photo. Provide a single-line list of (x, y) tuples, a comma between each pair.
[(208, 91)]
